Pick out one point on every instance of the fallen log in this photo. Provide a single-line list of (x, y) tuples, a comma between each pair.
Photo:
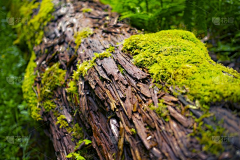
[(98, 104)]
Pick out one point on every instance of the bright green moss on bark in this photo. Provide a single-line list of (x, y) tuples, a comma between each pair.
[(28, 93), (86, 65), (180, 59), (52, 78), (77, 155), (77, 132), (32, 30), (83, 33), (206, 135), (62, 121), (85, 10), (111, 49), (49, 105), (72, 87)]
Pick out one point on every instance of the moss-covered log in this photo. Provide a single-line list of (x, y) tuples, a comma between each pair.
[(107, 96)]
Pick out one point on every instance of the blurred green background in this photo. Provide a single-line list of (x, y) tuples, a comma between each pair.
[(216, 22)]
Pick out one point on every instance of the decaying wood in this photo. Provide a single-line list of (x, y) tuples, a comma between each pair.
[(112, 106)]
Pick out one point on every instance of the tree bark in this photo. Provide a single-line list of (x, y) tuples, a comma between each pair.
[(113, 104)]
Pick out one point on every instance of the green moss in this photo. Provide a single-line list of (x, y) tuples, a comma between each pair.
[(77, 132), (33, 31), (207, 136), (51, 79), (84, 33), (111, 49), (72, 87), (62, 121), (162, 110), (80, 142), (75, 155), (178, 58), (49, 105), (120, 68), (85, 10), (133, 131), (86, 65), (28, 94)]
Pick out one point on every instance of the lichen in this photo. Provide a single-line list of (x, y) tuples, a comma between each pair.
[(178, 58), (28, 93), (79, 36), (51, 79), (62, 121)]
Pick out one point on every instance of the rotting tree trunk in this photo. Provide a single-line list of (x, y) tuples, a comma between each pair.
[(113, 105)]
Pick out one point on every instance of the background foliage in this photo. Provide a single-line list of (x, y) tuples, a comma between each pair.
[(217, 18)]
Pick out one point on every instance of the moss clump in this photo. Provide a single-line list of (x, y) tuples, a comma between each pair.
[(48, 105), (83, 33), (85, 10), (80, 142), (62, 121), (206, 135), (51, 79), (77, 132), (120, 68), (77, 155), (133, 131), (86, 65), (28, 93), (72, 87), (111, 49), (178, 58), (162, 110), (33, 31)]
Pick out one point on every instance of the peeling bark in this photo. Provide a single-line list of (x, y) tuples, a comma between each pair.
[(112, 105)]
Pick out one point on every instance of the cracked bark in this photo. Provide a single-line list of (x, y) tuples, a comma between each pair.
[(113, 104)]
